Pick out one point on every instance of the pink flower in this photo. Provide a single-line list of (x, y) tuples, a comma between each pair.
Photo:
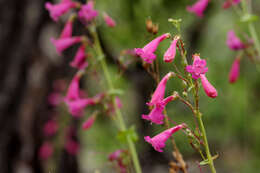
[(50, 128), (87, 12), (208, 88), (199, 7), (76, 107), (72, 147), (109, 21), (233, 42), (59, 9), (147, 53), (169, 55), (158, 94), (80, 59), (89, 122), (45, 151), (64, 43), (55, 98), (73, 90), (229, 3), (198, 67), (158, 141), (234, 72), (67, 30), (156, 115)]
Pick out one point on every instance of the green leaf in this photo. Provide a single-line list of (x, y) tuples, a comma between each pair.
[(123, 135), (247, 18)]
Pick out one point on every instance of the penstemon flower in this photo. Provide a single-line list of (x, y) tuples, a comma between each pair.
[(118, 156), (158, 141), (199, 7), (79, 60), (109, 21), (147, 52), (169, 55), (58, 10), (87, 13), (64, 43), (234, 72), (158, 94), (50, 128), (89, 122), (208, 88), (45, 151), (198, 67), (233, 42), (156, 115)]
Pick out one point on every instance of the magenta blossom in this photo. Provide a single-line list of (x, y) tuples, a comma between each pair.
[(233, 42), (67, 30), (89, 122), (169, 55), (229, 3), (87, 12), (58, 10), (156, 115), (158, 94), (80, 59), (72, 147), (208, 88), (234, 72), (73, 90), (158, 141), (76, 107), (109, 21), (198, 67), (50, 128), (147, 53), (45, 151), (64, 43), (55, 98), (199, 7), (118, 156)]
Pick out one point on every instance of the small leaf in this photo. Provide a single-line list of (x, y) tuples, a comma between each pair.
[(248, 18), (123, 135)]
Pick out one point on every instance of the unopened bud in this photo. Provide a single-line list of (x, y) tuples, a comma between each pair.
[(149, 25), (185, 94), (155, 29)]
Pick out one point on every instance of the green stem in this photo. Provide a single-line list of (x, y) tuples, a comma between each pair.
[(122, 126)]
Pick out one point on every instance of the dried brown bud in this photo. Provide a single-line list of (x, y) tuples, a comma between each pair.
[(155, 29), (149, 25)]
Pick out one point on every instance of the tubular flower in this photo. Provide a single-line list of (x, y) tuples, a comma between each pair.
[(76, 107), (147, 52), (158, 141), (199, 7), (67, 30), (87, 12), (198, 67), (45, 151), (156, 115), (80, 59), (169, 55), (89, 122), (64, 43), (50, 128), (208, 88), (234, 72), (229, 3), (233, 42), (109, 21), (73, 90), (58, 10), (158, 94)]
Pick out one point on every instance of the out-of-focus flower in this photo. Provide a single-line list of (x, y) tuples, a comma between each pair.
[(158, 94), (233, 42), (229, 3), (87, 13), (55, 98), (198, 67), (67, 30), (169, 55), (79, 60), (208, 88), (58, 10), (72, 146), (199, 7), (234, 72), (158, 141), (118, 156), (76, 107), (50, 128), (45, 151), (64, 43), (147, 52), (109, 21), (156, 115), (73, 90), (89, 122)]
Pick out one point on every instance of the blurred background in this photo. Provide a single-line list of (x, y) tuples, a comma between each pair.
[(29, 66)]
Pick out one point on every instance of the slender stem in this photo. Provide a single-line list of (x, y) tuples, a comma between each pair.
[(202, 128), (118, 113)]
